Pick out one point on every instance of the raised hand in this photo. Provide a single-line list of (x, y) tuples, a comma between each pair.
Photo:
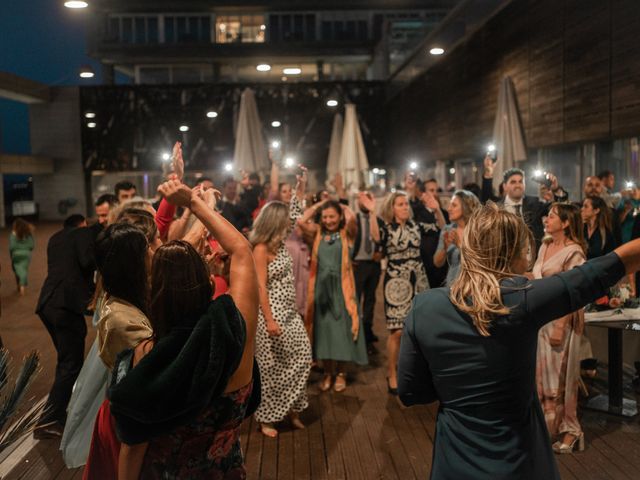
[(177, 162), (429, 201), (488, 166), (554, 181), (410, 182), (176, 193), (367, 201)]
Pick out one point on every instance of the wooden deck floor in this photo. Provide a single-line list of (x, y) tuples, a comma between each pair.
[(362, 433)]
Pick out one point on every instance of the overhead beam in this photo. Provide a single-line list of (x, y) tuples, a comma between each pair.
[(20, 89)]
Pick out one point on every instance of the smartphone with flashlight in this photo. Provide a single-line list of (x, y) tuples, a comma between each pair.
[(492, 152), (542, 178), (275, 151)]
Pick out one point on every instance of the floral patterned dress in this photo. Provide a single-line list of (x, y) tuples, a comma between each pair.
[(405, 275), (207, 448)]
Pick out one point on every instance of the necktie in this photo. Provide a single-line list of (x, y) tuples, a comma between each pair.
[(518, 210), (367, 235)]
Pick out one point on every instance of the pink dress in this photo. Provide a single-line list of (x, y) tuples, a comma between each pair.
[(558, 367)]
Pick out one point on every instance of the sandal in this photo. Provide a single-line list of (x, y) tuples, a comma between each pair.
[(326, 383), (268, 430), (341, 383)]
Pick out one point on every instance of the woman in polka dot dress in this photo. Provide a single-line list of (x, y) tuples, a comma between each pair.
[(283, 350)]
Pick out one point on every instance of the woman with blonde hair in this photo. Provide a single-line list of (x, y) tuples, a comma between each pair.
[(400, 237), (559, 341), (21, 245), (473, 348), (283, 350), (462, 205)]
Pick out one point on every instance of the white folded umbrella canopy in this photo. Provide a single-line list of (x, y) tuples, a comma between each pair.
[(508, 136), (353, 161), (333, 161), (250, 152)]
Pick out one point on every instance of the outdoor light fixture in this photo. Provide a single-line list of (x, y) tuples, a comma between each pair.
[(292, 71), (228, 166), (91, 124), (86, 72), (332, 103), (212, 114), (436, 51), (184, 128), (289, 162), (166, 156), (275, 124), (413, 165), (90, 115), (275, 144), (263, 27), (76, 4), (263, 67)]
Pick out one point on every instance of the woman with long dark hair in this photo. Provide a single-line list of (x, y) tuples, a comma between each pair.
[(473, 349), (332, 318), (179, 398), (598, 227), (560, 341)]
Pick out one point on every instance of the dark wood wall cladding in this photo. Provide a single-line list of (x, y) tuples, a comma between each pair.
[(575, 66)]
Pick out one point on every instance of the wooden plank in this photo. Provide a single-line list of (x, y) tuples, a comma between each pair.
[(253, 450), (335, 464), (301, 453), (317, 448), (285, 454)]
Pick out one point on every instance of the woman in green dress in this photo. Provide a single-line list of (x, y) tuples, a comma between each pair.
[(332, 318), (20, 247)]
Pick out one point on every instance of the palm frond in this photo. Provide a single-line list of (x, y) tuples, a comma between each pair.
[(23, 426), (28, 371)]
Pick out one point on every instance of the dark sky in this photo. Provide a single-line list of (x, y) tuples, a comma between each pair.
[(44, 41)]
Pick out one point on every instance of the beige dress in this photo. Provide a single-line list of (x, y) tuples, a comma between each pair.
[(558, 367), (121, 326)]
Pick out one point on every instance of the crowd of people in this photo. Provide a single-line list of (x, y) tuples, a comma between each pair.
[(211, 306)]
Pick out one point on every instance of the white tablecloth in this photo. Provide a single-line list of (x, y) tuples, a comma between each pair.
[(613, 315)]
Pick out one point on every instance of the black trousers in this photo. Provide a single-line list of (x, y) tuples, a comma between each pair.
[(367, 276), (68, 331)]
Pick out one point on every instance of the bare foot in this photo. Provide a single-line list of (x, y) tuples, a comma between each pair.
[(295, 421), (21, 289), (268, 430)]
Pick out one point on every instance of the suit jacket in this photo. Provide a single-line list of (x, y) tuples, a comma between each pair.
[(70, 267), (235, 214), (533, 209)]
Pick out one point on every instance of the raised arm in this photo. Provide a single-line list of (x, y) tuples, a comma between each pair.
[(350, 221), (429, 201), (368, 202), (306, 222), (274, 180), (244, 287)]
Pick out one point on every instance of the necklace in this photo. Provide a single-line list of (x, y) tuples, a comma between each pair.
[(330, 238)]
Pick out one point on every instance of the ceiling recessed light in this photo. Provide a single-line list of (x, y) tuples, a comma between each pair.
[(90, 115), (263, 67), (184, 128), (91, 124), (76, 4), (292, 71), (212, 114), (86, 72), (332, 103), (436, 51), (275, 124)]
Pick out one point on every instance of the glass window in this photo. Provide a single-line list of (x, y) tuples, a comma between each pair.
[(327, 31), (240, 29), (181, 29), (114, 30), (169, 30), (274, 28), (141, 30), (127, 30), (152, 30), (311, 28)]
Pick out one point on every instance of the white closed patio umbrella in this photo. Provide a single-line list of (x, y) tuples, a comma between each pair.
[(508, 136), (250, 152), (333, 161), (353, 156)]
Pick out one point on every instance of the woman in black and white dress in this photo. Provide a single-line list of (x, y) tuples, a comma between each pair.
[(405, 276), (283, 350)]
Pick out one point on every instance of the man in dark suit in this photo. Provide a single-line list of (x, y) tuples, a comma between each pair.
[(232, 208), (366, 270), (63, 301), (531, 209)]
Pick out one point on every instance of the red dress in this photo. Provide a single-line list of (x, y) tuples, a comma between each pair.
[(105, 447)]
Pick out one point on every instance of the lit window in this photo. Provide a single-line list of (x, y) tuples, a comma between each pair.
[(240, 29)]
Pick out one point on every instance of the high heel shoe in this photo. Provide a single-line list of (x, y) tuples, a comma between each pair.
[(560, 447), (390, 389)]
